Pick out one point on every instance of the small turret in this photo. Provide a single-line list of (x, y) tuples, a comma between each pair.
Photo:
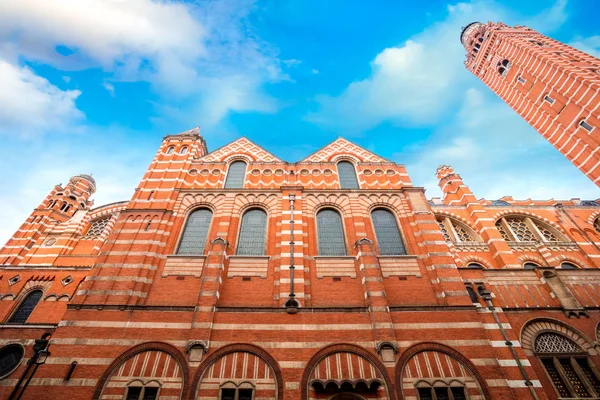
[(453, 187), (71, 198)]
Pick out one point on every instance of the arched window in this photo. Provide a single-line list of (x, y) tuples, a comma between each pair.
[(253, 232), (236, 175), (183, 150), (97, 227), (500, 203), (567, 366), (455, 231), (597, 224), (388, 236), (530, 265), (525, 229), (26, 307), (475, 265), (589, 203), (472, 294), (330, 233), (138, 392), (568, 265), (10, 358), (347, 175), (193, 239), (170, 150)]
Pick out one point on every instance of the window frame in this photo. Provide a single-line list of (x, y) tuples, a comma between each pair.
[(20, 303), (139, 384), (239, 232), (400, 233), (438, 384), (229, 171), (183, 150), (181, 233), (530, 223), (548, 99), (454, 237), (584, 124), (237, 387), (353, 165), (346, 247), (572, 357), (22, 350), (170, 150)]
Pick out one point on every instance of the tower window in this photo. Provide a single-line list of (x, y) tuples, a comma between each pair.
[(183, 150), (387, 233), (170, 150), (193, 239), (521, 79), (347, 175), (253, 231), (236, 175), (549, 99), (330, 233), (583, 123), (26, 307)]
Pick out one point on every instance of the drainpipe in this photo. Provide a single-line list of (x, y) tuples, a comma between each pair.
[(291, 304), (487, 296)]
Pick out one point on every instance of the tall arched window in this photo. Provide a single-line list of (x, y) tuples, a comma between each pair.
[(253, 233), (236, 175), (388, 236), (330, 233), (26, 307), (193, 239), (567, 366), (347, 175)]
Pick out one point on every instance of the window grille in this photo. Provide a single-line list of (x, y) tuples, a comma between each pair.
[(388, 235), (462, 234), (252, 233), (347, 175), (193, 239), (588, 373), (550, 342), (444, 230), (548, 235), (236, 175), (26, 307), (502, 231), (520, 229), (555, 377), (330, 233), (97, 227)]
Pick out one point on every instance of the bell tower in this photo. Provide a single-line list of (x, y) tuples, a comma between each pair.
[(59, 206), (554, 87)]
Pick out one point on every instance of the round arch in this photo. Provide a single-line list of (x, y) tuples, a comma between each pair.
[(438, 347), (345, 348), (140, 348), (532, 328), (234, 348)]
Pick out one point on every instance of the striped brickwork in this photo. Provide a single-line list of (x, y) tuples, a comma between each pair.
[(129, 310), (554, 87)]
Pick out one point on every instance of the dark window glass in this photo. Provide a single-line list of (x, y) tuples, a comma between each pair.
[(252, 233), (425, 394), (589, 374), (530, 266), (26, 307), (133, 393), (227, 394), (441, 393), (244, 394), (475, 266), (555, 377), (236, 175), (10, 357), (567, 265), (330, 233), (573, 378), (150, 393), (388, 235), (347, 175), (194, 235), (458, 393), (472, 294), (500, 203)]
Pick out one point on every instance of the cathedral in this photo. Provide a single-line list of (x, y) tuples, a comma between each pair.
[(237, 275)]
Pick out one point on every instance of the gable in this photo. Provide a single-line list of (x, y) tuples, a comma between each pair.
[(340, 147), (241, 146)]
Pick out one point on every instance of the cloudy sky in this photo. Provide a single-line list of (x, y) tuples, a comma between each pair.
[(91, 86)]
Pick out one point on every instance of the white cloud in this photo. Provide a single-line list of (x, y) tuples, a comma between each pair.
[(590, 45), (31, 104), (110, 88)]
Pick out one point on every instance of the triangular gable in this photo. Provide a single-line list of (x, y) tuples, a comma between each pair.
[(241, 146), (341, 146)]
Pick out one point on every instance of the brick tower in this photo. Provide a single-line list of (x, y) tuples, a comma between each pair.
[(554, 87)]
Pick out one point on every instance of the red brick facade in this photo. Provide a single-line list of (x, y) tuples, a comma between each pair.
[(554, 87), (387, 314)]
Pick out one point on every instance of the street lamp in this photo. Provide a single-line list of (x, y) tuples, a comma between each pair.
[(40, 355)]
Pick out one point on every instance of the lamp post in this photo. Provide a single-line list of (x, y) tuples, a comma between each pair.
[(40, 355)]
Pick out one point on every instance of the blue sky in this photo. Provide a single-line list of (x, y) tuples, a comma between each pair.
[(92, 86)]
